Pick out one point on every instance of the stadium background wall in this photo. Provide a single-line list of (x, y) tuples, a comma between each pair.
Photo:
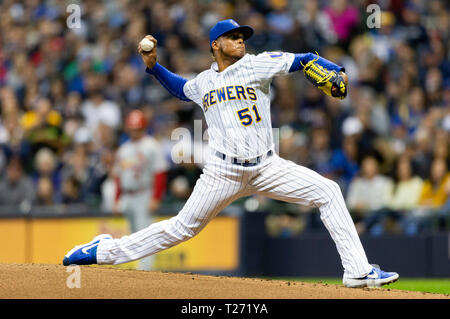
[(233, 244), (46, 238)]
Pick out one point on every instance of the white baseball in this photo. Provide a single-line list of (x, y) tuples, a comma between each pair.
[(146, 45)]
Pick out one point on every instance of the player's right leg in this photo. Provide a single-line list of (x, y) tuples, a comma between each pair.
[(220, 184), (286, 181)]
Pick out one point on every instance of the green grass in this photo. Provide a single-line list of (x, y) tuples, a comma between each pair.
[(435, 285)]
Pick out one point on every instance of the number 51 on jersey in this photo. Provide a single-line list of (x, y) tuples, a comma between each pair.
[(246, 116)]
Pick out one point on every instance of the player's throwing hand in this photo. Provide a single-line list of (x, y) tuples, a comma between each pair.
[(149, 58)]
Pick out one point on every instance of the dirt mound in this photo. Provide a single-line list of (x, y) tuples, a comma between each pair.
[(53, 281)]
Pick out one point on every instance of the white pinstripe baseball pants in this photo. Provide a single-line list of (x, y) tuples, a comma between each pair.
[(220, 184)]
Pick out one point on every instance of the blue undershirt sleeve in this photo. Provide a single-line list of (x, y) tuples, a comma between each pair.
[(171, 81), (303, 58)]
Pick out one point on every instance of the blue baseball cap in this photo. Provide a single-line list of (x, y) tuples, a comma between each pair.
[(226, 26)]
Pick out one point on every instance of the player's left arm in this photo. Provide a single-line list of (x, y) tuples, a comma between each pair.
[(301, 59), (326, 75)]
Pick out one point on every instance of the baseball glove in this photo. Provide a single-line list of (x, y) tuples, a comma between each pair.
[(330, 82)]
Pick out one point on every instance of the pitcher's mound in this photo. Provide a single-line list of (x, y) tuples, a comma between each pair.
[(53, 281)]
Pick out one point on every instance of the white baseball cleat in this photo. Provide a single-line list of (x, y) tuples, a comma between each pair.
[(84, 254), (376, 278)]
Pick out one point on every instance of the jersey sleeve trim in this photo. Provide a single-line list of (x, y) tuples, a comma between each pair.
[(303, 58)]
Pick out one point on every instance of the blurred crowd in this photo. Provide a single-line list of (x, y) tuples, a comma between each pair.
[(65, 88)]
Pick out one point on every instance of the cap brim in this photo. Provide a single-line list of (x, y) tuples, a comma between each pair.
[(246, 30)]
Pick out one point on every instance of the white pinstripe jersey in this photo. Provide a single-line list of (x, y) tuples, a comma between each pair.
[(236, 102)]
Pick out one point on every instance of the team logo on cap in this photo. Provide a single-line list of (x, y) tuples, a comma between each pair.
[(234, 22)]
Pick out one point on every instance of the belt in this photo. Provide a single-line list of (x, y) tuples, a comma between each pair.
[(247, 162)]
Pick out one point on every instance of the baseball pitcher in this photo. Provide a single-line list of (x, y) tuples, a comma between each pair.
[(234, 95)]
